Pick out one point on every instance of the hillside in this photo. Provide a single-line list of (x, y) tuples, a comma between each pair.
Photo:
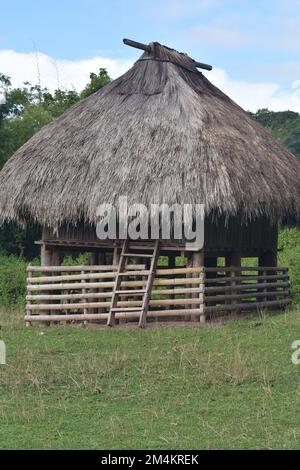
[(284, 125)]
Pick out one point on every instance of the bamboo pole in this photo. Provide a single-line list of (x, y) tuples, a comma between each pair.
[(250, 306), (85, 310), (202, 300), (246, 268), (82, 267), (244, 286), (28, 311), (84, 295), (198, 263), (246, 278), (151, 314), (45, 261), (127, 303), (104, 316), (101, 295), (92, 285)]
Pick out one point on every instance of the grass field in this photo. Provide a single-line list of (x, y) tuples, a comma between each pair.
[(230, 386)]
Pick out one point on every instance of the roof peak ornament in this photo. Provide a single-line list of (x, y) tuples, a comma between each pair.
[(147, 48)]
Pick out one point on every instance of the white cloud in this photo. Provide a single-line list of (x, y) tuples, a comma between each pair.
[(256, 95), (23, 67), (215, 35), (250, 95)]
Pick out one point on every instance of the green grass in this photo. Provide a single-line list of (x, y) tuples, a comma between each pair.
[(230, 386)]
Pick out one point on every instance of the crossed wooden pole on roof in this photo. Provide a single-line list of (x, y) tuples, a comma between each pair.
[(144, 47)]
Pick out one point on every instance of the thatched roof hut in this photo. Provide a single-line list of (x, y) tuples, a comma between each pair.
[(159, 133)]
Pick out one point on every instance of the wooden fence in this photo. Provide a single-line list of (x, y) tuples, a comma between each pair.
[(83, 293), (246, 288)]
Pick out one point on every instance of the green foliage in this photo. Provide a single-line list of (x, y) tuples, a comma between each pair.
[(73, 259), (12, 281), (18, 241), (24, 113), (289, 242), (284, 125), (97, 81)]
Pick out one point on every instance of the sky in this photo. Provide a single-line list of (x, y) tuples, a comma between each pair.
[(253, 46)]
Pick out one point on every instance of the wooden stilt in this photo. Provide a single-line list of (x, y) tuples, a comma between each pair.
[(211, 262), (55, 261), (198, 261), (94, 262), (46, 256), (171, 265), (233, 260), (268, 259)]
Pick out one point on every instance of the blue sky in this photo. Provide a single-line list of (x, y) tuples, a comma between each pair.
[(253, 45)]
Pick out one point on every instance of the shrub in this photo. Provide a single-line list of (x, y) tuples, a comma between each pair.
[(289, 242), (12, 281)]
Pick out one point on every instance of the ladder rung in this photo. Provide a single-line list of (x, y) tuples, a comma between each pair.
[(126, 292), (138, 255), (126, 309), (136, 246), (135, 273)]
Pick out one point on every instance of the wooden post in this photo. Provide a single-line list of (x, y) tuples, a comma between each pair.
[(28, 311), (233, 259), (116, 261), (46, 256), (93, 262), (211, 262), (268, 259), (189, 264), (198, 261), (101, 261), (171, 265), (55, 261), (116, 256), (55, 257), (85, 310)]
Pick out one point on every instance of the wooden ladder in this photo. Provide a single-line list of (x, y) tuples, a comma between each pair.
[(132, 249)]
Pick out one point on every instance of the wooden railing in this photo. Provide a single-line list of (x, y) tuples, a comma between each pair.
[(83, 293), (245, 288)]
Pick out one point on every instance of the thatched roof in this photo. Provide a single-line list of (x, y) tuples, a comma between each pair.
[(159, 133)]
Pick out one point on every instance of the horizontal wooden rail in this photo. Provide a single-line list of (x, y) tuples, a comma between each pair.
[(210, 290), (103, 295), (104, 316), (244, 268), (95, 285), (129, 303), (245, 295), (85, 267), (246, 278), (249, 306)]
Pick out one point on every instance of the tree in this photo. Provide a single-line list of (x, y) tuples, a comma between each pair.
[(25, 111), (97, 81)]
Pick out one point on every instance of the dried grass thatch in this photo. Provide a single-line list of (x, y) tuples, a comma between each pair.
[(160, 133)]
